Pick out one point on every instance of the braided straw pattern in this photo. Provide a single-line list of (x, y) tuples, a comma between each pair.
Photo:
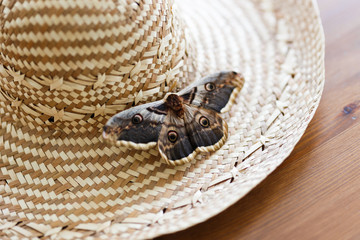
[(67, 66), (95, 57)]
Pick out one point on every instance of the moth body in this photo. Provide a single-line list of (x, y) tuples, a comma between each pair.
[(175, 103)]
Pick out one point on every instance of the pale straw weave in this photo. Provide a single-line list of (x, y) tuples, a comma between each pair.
[(68, 66)]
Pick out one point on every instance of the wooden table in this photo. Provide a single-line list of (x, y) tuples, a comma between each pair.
[(315, 193)]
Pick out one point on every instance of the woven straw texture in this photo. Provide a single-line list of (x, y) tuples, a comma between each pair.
[(68, 66)]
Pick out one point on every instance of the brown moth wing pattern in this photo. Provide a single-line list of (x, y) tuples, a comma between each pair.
[(140, 133), (201, 130), (207, 130), (179, 151), (216, 92)]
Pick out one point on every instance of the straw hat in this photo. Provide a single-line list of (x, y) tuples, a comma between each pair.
[(68, 66)]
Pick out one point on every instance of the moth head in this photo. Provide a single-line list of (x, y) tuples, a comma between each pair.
[(174, 101)]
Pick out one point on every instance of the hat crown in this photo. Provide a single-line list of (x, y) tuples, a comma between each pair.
[(78, 59)]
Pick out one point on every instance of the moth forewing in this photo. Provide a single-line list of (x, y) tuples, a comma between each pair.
[(137, 127), (216, 92), (238, 82)]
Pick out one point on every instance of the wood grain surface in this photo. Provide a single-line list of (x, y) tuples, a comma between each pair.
[(315, 193)]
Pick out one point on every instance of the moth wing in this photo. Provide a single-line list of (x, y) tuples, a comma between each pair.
[(123, 130), (192, 137), (207, 130), (179, 151), (216, 92)]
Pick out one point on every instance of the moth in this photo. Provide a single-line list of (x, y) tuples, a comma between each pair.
[(182, 124)]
